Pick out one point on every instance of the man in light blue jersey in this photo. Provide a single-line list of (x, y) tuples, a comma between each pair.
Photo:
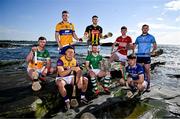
[(145, 42)]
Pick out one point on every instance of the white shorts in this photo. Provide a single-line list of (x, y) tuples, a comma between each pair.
[(96, 71), (145, 84), (122, 58), (39, 71), (67, 79), (90, 48)]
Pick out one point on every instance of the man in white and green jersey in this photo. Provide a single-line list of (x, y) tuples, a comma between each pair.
[(93, 65), (39, 63)]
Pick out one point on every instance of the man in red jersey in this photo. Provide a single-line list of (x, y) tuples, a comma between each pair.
[(124, 43)]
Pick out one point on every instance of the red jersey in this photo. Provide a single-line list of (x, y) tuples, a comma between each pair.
[(123, 42)]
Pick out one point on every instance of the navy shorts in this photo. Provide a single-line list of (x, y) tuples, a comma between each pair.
[(63, 49), (145, 60)]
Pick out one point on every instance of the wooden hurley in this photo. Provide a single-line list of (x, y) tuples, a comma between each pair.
[(74, 103)]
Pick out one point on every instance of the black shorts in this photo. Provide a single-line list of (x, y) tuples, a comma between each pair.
[(145, 60)]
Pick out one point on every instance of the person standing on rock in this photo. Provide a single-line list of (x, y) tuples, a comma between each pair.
[(144, 44), (39, 63), (124, 43), (65, 32), (67, 66), (93, 34)]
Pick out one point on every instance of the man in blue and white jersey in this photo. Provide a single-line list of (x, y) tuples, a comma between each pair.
[(145, 42), (135, 74)]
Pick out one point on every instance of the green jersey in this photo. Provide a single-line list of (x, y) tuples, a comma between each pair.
[(94, 61), (42, 57)]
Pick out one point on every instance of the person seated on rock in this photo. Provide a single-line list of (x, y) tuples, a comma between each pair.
[(135, 75), (66, 66), (124, 43), (93, 63), (39, 63)]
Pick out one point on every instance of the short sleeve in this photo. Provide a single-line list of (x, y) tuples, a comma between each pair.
[(130, 40), (140, 70), (101, 30), (87, 29), (88, 58), (47, 55), (59, 62), (137, 42), (73, 29), (100, 57), (57, 28), (153, 40)]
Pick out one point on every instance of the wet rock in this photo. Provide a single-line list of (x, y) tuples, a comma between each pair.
[(4, 63), (174, 109), (173, 75)]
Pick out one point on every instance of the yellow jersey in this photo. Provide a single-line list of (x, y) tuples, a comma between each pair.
[(65, 31)]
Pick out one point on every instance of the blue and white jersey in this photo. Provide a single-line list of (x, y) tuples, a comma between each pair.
[(144, 43), (134, 72)]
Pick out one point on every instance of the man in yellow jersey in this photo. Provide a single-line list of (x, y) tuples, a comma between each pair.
[(39, 63), (65, 32), (66, 66)]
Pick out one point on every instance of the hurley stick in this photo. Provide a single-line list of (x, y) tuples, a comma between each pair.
[(74, 103)]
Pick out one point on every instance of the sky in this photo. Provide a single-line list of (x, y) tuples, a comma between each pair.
[(30, 19)]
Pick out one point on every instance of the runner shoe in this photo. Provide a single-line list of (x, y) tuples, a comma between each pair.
[(106, 90), (97, 92), (67, 106), (148, 88), (129, 94), (135, 94), (84, 101)]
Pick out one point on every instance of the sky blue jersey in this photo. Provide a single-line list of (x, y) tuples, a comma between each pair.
[(144, 43)]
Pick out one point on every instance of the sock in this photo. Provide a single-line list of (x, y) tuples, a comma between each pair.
[(94, 83), (66, 99), (106, 81), (82, 95)]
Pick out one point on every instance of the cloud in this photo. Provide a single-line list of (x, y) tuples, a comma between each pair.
[(159, 26), (173, 5), (172, 37), (160, 19), (164, 34), (177, 19)]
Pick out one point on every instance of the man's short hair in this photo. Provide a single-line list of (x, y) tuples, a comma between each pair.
[(94, 45), (65, 11), (145, 25), (41, 38), (123, 27), (94, 16), (131, 56)]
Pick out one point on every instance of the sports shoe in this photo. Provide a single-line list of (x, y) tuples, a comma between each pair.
[(97, 92), (84, 101), (148, 88), (67, 106), (106, 90), (129, 94)]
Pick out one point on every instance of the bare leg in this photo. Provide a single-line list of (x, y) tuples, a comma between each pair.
[(61, 87), (113, 57)]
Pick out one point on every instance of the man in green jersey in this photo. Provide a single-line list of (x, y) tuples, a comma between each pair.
[(39, 63), (93, 65)]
